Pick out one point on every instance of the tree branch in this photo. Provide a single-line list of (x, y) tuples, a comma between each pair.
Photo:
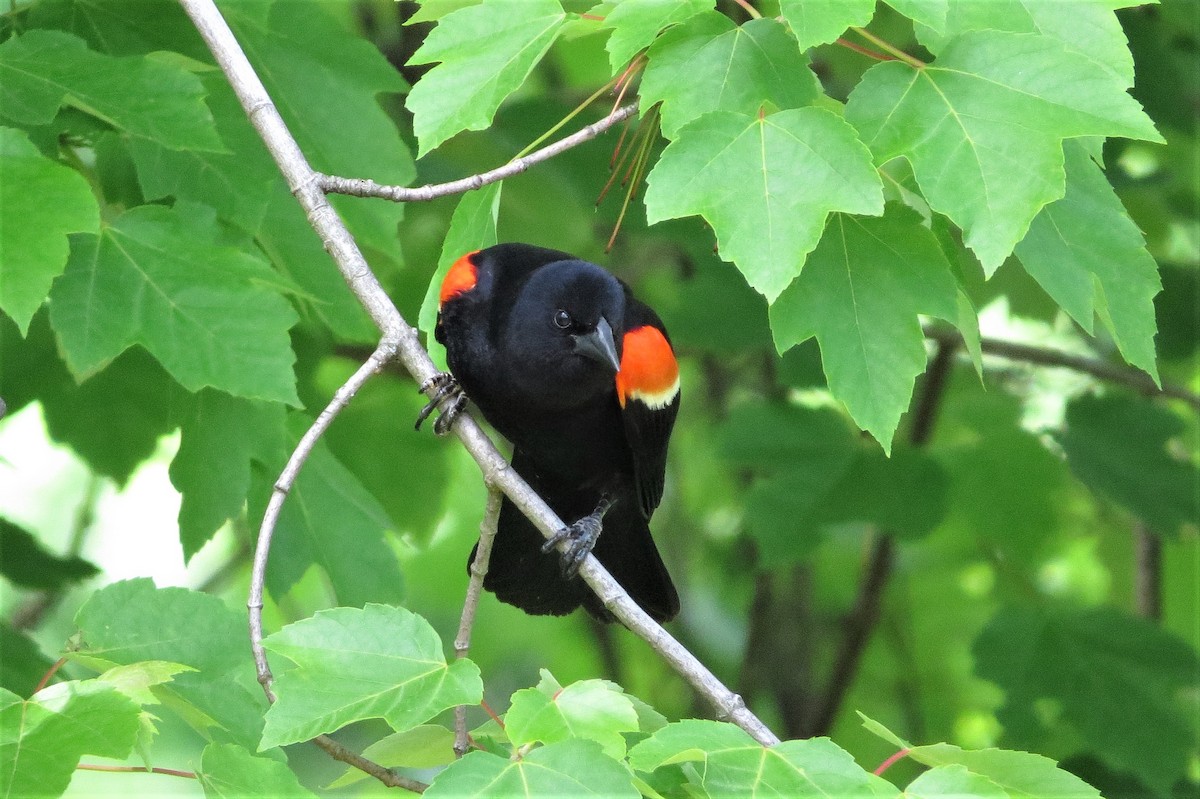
[(368, 188), (479, 567), (399, 339), (1147, 575), (863, 617), (1044, 356)]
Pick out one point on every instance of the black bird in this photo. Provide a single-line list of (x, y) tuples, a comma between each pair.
[(580, 376)]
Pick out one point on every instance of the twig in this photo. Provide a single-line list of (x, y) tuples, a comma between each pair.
[(279, 493), (861, 621), (888, 47), (749, 9), (479, 567), (137, 769), (885, 765), (368, 188), (400, 339), (1044, 356), (1147, 575), (50, 672), (868, 52), (382, 773)]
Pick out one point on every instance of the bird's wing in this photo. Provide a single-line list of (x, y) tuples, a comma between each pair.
[(648, 392)]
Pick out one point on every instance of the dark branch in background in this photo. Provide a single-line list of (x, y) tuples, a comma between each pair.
[(479, 567), (1147, 574), (399, 340), (1100, 369), (780, 644), (864, 615)]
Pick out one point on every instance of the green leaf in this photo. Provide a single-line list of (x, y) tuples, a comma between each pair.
[(1008, 491), (326, 83), (33, 237), (26, 564), (1018, 774), (136, 679), (160, 278), (132, 621), (41, 71), (818, 472), (115, 418), (220, 436), (486, 52), (424, 746), (238, 184), (1116, 679), (930, 13), (228, 771), (23, 663), (953, 782), (376, 441), (734, 764), (1088, 27), (636, 23), (350, 664), (296, 251), (860, 295), (595, 710), (769, 219), (1089, 256), (816, 22), (41, 740), (123, 27), (472, 227), (332, 520), (710, 64), (1121, 447), (567, 768), (983, 128), (763, 435)]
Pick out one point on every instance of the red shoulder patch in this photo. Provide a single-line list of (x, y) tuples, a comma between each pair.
[(648, 372), (461, 278)]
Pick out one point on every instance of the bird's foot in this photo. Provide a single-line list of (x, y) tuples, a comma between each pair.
[(448, 397), (581, 538)]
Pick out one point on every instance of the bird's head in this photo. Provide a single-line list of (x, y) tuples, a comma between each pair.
[(564, 331)]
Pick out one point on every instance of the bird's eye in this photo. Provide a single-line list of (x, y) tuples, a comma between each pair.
[(562, 319)]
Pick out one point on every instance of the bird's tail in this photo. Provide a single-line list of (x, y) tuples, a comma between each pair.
[(520, 574)]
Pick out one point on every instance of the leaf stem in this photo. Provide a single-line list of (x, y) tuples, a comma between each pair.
[(885, 765), (50, 672), (751, 10), (191, 775), (868, 52), (574, 113), (887, 47)]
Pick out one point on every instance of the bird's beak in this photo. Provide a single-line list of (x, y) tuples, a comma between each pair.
[(599, 345)]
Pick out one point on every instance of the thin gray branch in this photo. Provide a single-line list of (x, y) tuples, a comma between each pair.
[(403, 194), (479, 567), (400, 340)]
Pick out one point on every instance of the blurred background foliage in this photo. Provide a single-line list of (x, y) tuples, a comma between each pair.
[(1014, 606)]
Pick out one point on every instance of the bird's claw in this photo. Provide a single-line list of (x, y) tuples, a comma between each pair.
[(581, 538), (448, 397)]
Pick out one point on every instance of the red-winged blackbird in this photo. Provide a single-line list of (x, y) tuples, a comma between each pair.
[(580, 377)]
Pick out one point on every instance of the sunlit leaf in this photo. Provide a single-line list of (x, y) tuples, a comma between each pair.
[(794, 168), (350, 664)]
